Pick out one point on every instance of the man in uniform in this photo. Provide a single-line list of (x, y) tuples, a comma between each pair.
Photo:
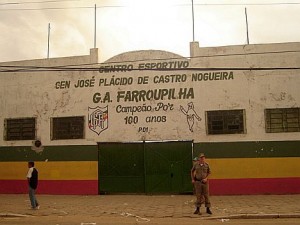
[(199, 175)]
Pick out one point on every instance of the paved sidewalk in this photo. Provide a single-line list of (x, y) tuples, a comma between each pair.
[(144, 206)]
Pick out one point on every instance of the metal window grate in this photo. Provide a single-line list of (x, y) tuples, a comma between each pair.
[(225, 122), (68, 128), (282, 120), (20, 129)]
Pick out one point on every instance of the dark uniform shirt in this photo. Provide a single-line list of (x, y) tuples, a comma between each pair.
[(201, 171)]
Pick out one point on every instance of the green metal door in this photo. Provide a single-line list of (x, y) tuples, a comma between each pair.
[(145, 167), (167, 167), (121, 168)]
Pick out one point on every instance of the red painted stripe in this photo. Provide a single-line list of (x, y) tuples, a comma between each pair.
[(56, 187), (13, 186), (254, 186), (217, 186)]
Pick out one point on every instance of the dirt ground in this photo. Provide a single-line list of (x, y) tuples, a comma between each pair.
[(144, 209)]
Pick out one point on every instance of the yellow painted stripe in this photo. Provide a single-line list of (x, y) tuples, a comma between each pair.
[(236, 168), (59, 170), (231, 168)]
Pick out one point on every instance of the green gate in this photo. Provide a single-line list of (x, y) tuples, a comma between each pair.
[(145, 167), (167, 167), (121, 168)]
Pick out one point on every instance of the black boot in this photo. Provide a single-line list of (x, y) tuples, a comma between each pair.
[(197, 211), (208, 210)]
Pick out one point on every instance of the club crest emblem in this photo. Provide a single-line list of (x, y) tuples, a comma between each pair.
[(98, 119)]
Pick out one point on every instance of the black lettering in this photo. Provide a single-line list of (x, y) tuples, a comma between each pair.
[(120, 95), (106, 97), (97, 98)]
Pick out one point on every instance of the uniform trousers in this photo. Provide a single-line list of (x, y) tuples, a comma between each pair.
[(201, 191)]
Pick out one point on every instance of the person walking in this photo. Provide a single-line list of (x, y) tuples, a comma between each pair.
[(32, 178), (199, 174)]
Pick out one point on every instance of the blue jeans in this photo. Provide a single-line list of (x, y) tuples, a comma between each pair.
[(32, 198)]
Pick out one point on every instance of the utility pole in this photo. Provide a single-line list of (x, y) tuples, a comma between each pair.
[(95, 31), (247, 26), (193, 20), (48, 50)]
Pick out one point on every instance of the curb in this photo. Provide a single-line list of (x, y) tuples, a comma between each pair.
[(13, 215), (254, 216), (237, 216)]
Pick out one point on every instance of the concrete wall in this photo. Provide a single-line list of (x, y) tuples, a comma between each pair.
[(132, 116), (114, 97)]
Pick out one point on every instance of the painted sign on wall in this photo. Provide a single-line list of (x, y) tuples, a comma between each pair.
[(144, 96)]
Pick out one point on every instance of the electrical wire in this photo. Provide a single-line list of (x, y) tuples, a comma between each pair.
[(37, 2), (91, 69), (249, 4), (121, 6), (84, 67)]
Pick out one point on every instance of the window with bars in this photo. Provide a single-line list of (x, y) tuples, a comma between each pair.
[(282, 120), (20, 129), (67, 128), (226, 121)]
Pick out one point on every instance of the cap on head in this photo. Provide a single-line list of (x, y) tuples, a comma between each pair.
[(201, 155)]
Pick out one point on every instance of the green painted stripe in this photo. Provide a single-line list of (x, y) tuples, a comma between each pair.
[(261, 149), (51, 153), (257, 149)]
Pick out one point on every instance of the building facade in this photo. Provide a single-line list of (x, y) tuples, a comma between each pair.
[(133, 123)]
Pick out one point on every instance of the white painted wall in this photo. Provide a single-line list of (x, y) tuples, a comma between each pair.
[(27, 94)]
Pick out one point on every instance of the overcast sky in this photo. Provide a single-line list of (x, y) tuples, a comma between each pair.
[(128, 25)]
